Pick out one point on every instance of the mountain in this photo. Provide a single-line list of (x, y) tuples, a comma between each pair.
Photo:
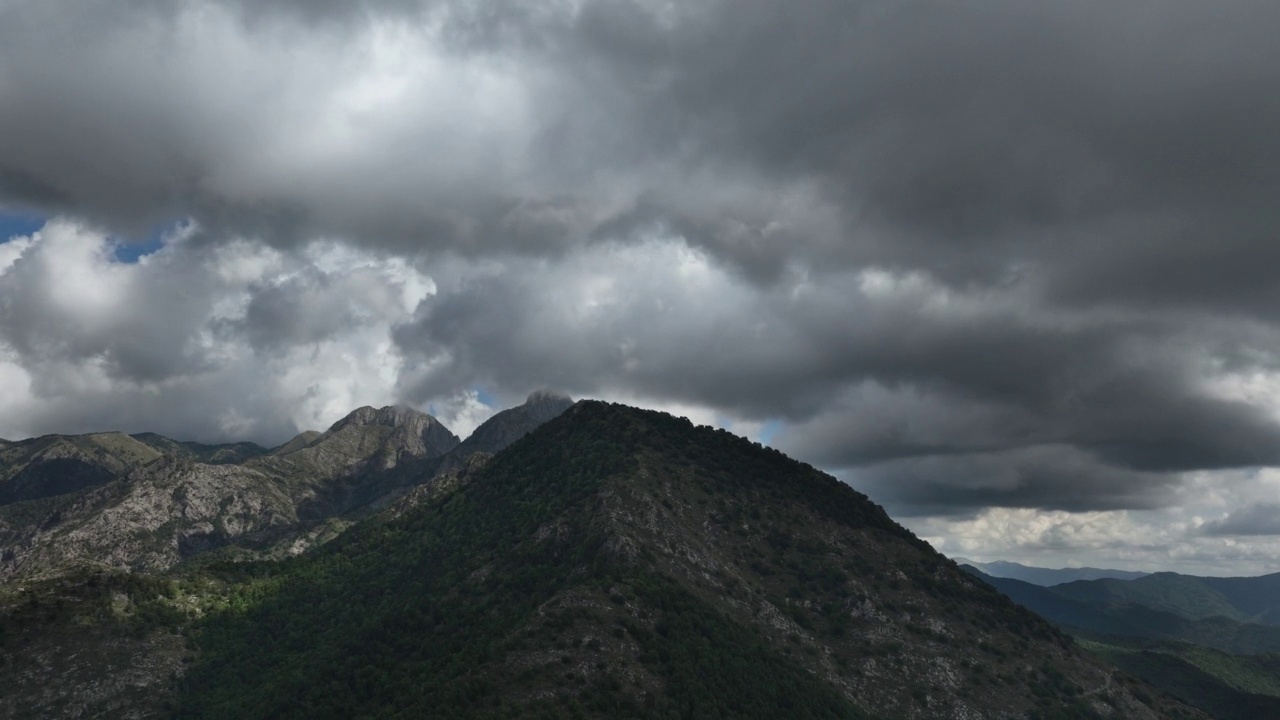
[(1249, 600), (55, 464), (366, 455), (222, 454), (1092, 612), (1256, 598), (1047, 576), (298, 442), (1186, 635), (1243, 599), (507, 426), (566, 560), (148, 510), (616, 562), (1229, 687), (400, 429)]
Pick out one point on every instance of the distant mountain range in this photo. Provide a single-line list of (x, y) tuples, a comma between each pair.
[(1182, 633), (1047, 576), (566, 560)]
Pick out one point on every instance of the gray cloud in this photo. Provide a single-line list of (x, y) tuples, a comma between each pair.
[(1255, 519), (971, 254), (1052, 477), (1080, 142), (867, 372)]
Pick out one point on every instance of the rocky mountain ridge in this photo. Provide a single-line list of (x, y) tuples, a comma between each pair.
[(149, 504)]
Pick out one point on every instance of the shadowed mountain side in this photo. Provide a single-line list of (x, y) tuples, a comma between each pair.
[(623, 563), (1135, 620), (506, 427), (1047, 576), (1243, 599), (1257, 598), (297, 442), (1230, 687), (57, 464)]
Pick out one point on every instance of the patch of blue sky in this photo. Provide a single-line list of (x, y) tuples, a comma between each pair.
[(483, 396), (131, 250), (769, 431), (763, 434), (16, 225)]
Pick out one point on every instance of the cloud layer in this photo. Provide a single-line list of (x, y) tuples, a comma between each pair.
[(975, 258)]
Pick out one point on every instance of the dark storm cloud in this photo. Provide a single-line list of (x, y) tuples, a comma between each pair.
[(26, 190), (868, 378), (989, 252), (971, 139), (1053, 477), (1001, 387)]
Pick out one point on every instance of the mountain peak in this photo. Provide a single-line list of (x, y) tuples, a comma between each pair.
[(390, 416), (544, 395), (405, 422), (543, 405), (509, 425)]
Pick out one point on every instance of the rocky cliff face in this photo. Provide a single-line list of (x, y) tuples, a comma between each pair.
[(126, 505), (148, 520)]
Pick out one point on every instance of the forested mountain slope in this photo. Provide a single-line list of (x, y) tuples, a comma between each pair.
[(623, 563)]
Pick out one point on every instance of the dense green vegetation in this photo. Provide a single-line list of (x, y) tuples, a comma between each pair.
[(417, 615)]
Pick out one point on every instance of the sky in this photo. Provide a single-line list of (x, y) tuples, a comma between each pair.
[(1012, 269)]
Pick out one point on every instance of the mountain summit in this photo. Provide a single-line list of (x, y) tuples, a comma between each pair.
[(418, 432)]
